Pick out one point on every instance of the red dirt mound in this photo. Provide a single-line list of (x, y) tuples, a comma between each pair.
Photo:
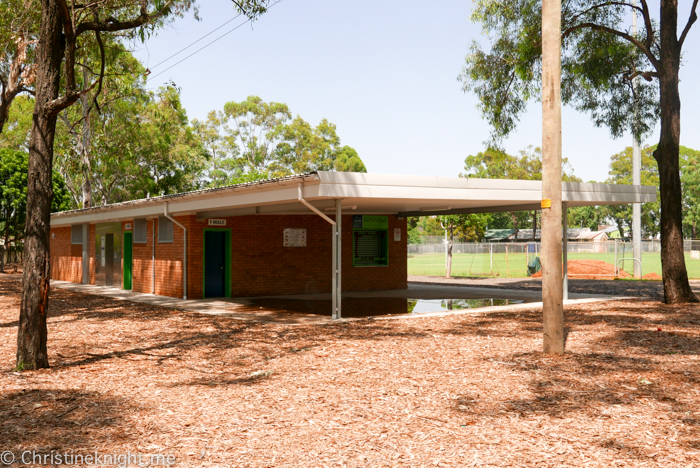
[(652, 276), (590, 269)]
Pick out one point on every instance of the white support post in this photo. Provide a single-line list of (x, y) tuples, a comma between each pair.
[(565, 222), (335, 247), (339, 263), (334, 270), (636, 180), (166, 213), (86, 253)]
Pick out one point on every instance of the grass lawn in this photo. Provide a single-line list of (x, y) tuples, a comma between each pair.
[(515, 264), (453, 391)]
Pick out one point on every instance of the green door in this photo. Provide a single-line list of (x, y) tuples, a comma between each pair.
[(127, 260)]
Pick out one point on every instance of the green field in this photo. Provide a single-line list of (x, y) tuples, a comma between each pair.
[(514, 266)]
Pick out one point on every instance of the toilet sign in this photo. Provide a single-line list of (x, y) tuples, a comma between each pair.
[(216, 222), (397, 234), (294, 237)]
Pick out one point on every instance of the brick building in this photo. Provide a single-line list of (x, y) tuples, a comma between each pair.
[(278, 237)]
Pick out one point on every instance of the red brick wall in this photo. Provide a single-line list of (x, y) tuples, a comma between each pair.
[(168, 261), (65, 258), (261, 265), (142, 276)]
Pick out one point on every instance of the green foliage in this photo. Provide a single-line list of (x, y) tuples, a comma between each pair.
[(690, 179), (497, 164), (597, 65), (347, 160), (15, 135), (621, 173), (255, 140), (13, 194), (134, 144)]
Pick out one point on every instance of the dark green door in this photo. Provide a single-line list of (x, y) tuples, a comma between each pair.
[(214, 263), (127, 260)]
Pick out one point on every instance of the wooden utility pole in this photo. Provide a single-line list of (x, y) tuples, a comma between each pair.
[(552, 291)]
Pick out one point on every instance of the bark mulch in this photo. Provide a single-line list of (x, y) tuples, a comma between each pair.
[(461, 390)]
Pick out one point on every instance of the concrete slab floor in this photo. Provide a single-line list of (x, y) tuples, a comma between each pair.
[(312, 308)]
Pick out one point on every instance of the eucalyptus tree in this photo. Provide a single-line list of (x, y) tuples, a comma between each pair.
[(61, 26), (19, 20), (600, 61), (254, 139)]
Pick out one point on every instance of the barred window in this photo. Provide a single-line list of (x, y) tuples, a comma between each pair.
[(76, 234), (369, 248), (140, 231), (165, 230)]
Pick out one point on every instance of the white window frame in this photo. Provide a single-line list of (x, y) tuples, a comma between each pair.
[(138, 227), (76, 228), (162, 222)]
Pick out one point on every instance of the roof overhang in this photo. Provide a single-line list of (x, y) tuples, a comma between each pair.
[(362, 194)]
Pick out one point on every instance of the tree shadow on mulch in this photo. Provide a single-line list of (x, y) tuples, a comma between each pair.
[(61, 420), (612, 374)]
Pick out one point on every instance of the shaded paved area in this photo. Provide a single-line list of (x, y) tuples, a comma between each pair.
[(628, 288), (420, 299)]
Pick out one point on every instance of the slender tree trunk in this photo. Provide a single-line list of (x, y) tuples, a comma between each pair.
[(31, 334), (675, 276), (84, 145), (534, 226)]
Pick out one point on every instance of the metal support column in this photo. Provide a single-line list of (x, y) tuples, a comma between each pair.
[(334, 271), (339, 263), (636, 180), (565, 249), (86, 253), (336, 245)]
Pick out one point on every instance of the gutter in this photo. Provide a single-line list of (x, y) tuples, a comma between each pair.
[(310, 206), (184, 248)]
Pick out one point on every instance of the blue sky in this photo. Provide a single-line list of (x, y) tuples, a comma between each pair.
[(385, 72)]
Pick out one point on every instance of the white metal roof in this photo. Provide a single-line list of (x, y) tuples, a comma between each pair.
[(361, 193)]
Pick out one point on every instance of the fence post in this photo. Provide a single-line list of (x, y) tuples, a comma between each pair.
[(491, 254)]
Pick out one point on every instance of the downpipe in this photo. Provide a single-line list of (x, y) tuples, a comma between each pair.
[(184, 249)]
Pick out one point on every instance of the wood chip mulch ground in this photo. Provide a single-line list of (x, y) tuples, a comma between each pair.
[(462, 390)]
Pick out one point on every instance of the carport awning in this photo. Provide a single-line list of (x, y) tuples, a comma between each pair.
[(362, 194)]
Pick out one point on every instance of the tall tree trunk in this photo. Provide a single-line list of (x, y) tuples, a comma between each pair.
[(31, 334), (534, 226), (84, 144), (675, 276)]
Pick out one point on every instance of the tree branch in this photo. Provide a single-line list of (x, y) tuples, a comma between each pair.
[(648, 75), (693, 18), (601, 5), (647, 24), (111, 24), (102, 70), (621, 34)]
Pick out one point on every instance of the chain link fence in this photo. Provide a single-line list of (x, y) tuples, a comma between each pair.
[(511, 259)]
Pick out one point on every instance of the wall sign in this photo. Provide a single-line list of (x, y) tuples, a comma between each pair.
[(127, 227), (370, 222), (397, 234), (294, 237), (216, 222)]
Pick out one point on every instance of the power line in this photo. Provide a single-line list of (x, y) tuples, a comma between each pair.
[(207, 45), (185, 48)]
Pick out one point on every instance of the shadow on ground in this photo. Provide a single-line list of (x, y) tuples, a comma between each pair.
[(60, 420)]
